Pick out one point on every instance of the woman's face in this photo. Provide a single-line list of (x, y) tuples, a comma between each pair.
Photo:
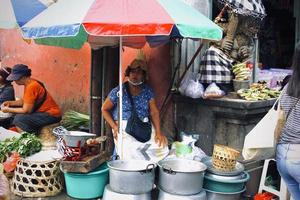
[(136, 75), (20, 81)]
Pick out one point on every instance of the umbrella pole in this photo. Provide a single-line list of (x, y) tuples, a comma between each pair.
[(120, 113)]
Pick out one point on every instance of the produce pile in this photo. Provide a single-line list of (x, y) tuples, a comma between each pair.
[(258, 91), (241, 72), (73, 120), (25, 145)]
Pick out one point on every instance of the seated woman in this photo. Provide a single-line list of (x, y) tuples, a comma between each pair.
[(37, 108), (143, 99), (7, 93)]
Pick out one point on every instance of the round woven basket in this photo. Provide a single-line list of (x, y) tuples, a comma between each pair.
[(224, 158), (37, 179)]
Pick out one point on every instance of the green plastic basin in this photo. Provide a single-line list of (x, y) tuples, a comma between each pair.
[(225, 184), (87, 186)]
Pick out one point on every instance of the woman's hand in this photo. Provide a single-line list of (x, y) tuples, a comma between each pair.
[(160, 139), (115, 131), (4, 109), (5, 104)]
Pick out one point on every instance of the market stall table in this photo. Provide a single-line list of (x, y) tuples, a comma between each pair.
[(224, 121)]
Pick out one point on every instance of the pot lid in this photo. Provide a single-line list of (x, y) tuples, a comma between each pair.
[(131, 165), (239, 168), (182, 165)]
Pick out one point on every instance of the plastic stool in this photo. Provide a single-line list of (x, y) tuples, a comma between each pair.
[(283, 193)]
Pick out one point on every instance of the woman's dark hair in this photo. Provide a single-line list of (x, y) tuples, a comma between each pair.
[(294, 83)]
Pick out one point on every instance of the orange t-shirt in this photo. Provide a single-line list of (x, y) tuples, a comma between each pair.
[(34, 92)]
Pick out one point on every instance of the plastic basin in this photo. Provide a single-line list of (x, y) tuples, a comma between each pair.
[(87, 185), (226, 184)]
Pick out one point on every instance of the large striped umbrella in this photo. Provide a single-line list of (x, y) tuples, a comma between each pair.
[(14, 13), (70, 23), (73, 22)]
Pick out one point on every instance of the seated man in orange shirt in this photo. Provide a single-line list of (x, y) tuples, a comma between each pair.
[(37, 108)]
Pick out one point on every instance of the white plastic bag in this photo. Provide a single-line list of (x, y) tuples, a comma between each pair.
[(190, 86), (260, 142), (186, 149), (213, 91), (194, 89)]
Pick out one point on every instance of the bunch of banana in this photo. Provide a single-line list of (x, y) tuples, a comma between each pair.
[(258, 91), (241, 71)]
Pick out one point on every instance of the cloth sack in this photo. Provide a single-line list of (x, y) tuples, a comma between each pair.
[(138, 129), (132, 149), (260, 142)]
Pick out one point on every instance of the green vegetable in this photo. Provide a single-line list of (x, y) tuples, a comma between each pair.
[(72, 120), (25, 145)]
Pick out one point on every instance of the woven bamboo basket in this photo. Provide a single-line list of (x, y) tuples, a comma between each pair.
[(37, 179), (224, 158)]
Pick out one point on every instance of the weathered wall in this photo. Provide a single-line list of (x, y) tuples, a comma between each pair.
[(66, 72)]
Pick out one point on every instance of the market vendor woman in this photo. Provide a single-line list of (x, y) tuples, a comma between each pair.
[(146, 109), (37, 107)]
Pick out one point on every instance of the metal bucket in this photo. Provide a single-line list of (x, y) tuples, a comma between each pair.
[(175, 174), (131, 176)]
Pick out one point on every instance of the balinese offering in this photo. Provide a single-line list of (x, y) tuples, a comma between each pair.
[(258, 91)]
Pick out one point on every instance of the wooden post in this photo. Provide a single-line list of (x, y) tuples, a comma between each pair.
[(96, 90)]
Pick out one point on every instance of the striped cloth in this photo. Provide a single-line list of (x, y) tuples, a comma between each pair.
[(254, 8), (291, 131)]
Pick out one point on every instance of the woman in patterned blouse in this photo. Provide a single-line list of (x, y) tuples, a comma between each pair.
[(143, 98)]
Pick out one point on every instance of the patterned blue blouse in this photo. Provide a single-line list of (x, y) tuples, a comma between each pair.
[(141, 102)]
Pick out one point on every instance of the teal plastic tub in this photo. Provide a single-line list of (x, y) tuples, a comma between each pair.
[(87, 186)]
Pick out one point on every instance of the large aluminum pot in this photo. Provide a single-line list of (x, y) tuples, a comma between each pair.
[(162, 195), (109, 194), (131, 176), (182, 177)]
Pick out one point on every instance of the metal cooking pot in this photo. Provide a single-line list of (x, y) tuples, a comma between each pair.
[(182, 177), (162, 195), (109, 194), (226, 184), (131, 176), (212, 195)]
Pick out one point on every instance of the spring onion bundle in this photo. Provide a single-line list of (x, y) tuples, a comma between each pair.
[(73, 120)]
